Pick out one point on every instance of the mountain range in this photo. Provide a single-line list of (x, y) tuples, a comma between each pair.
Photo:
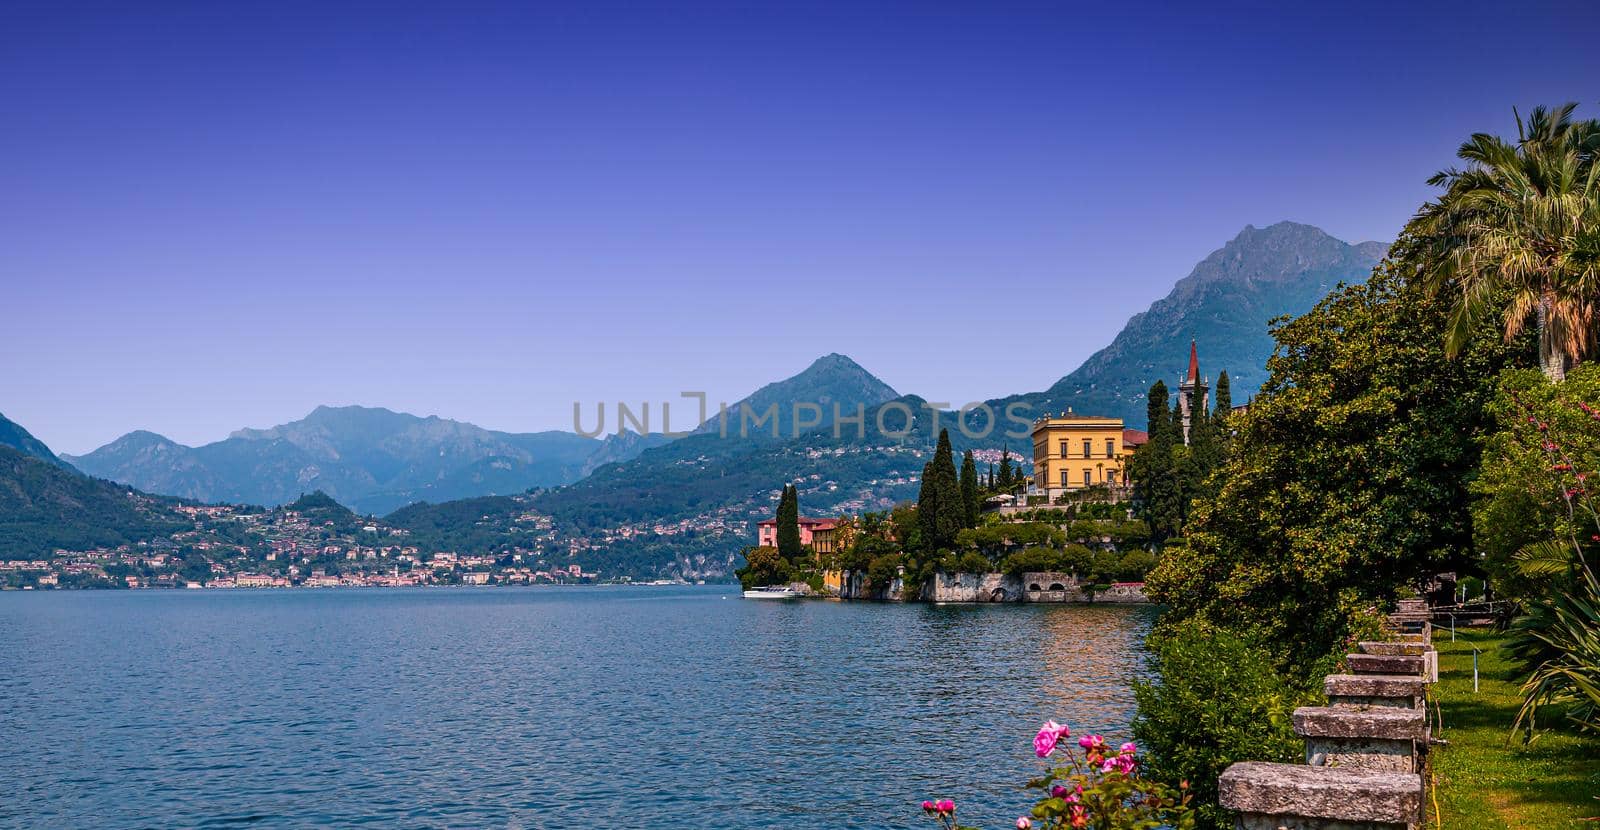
[(371, 459), (649, 505)]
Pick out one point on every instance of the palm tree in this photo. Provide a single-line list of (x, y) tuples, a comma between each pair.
[(1520, 226)]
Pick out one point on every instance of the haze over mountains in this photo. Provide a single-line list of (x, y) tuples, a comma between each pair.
[(371, 459), (650, 505)]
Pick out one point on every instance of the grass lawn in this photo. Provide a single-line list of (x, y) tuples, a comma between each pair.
[(1485, 782)]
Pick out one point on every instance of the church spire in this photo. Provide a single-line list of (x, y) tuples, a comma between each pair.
[(1194, 363)]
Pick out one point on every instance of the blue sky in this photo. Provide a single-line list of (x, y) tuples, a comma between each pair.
[(222, 215)]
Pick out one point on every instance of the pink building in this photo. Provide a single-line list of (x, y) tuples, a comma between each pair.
[(818, 533)]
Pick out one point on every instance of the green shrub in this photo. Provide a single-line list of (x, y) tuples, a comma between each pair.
[(1217, 701), (1032, 560), (883, 570), (1134, 565), (973, 563)]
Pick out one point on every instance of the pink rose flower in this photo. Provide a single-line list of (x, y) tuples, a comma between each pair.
[(927, 806), (1049, 735), (1023, 823), (1129, 748), (947, 806)]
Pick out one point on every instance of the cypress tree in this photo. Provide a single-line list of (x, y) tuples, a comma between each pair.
[(1224, 398), (969, 490), (1156, 410), (950, 516), (991, 477), (928, 508), (789, 524), (1156, 475), (1006, 479)]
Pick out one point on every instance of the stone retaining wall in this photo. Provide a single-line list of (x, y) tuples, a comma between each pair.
[(994, 587)]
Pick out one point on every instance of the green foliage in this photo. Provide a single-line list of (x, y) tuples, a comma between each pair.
[(1034, 560), (1557, 644), (1516, 235), (1217, 701), (1349, 475), (883, 570), (1155, 470), (44, 506), (973, 563), (941, 509), (993, 540), (1134, 565), (789, 524), (764, 566), (969, 490), (1522, 495)]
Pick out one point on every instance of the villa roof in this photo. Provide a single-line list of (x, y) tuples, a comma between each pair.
[(1134, 437)]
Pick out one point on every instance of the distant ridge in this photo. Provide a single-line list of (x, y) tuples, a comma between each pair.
[(369, 458), (14, 436)]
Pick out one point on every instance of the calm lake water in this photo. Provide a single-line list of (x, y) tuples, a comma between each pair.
[(537, 708)]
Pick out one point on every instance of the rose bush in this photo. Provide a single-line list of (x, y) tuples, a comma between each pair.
[(1094, 788)]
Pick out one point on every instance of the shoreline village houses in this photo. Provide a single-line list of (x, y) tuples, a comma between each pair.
[(818, 533), (1072, 452)]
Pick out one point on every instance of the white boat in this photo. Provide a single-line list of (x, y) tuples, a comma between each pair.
[(772, 592)]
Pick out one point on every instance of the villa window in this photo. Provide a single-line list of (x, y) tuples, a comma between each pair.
[(1088, 477), (1111, 448), (1065, 482), (1087, 452), (1063, 449)]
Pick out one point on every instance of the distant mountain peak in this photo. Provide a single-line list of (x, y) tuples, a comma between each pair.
[(1223, 305), (831, 379)]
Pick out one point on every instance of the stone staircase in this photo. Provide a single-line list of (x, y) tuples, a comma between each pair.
[(1366, 751)]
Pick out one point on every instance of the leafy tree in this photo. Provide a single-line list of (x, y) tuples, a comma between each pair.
[(1349, 475), (1522, 220), (789, 524), (969, 490), (1217, 701), (764, 566)]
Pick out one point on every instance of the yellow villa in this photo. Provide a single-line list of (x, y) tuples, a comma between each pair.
[(1071, 452)]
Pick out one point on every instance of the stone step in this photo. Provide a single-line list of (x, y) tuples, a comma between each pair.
[(1386, 722), (1413, 605), (1375, 738), (1408, 664), (1390, 647), (1405, 691), (1299, 797)]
